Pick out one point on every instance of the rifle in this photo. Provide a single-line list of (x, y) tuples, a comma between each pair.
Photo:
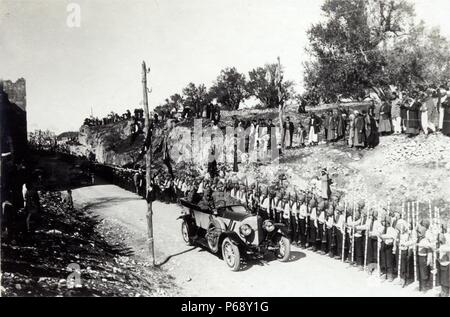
[(435, 263), (353, 232), (399, 276), (414, 219), (378, 247), (246, 192), (366, 235)]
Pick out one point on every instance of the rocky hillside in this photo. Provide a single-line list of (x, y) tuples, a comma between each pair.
[(111, 143)]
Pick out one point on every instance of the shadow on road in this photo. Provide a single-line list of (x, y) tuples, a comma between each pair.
[(108, 201), (250, 262), (173, 255)]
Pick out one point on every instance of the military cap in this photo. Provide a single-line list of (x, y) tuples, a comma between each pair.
[(321, 206), (301, 198), (425, 223)]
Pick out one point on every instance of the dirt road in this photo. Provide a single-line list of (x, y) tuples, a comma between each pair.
[(200, 273)]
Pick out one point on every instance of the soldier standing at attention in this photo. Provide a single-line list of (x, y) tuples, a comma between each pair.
[(444, 261), (331, 239), (387, 249), (320, 227), (264, 204), (302, 218), (286, 215), (405, 245), (339, 227), (279, 208), (424, 255), (312, 224), (372, 244), (359, 240), (295, 208)]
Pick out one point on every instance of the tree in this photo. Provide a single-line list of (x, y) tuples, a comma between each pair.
[(196, 98), (347, 49), (421, 58), (263, 86), (174, 101), (229, 88)]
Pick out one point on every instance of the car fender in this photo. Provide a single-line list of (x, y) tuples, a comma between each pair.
[(233, 236), (282, 229), (185, 217)]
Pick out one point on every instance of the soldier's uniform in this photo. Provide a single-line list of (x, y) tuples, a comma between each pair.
[(339, 227), (330, 232), (387, 249), (302, 218), (264, 206), (424, 254), (272, 202), (278, 206), (374, 230), (312, 224), (443, 263), (358, 243), (320, 235), (405, 246), (286, 216), (234, 191), (295, 208)]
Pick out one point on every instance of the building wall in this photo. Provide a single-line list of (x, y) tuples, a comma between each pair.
[(13, 118)]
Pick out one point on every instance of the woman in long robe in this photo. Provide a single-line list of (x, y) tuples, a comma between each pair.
[(371, 131), (413, 119), (332, 126), (360, 136), (445, 107), (351, 127), (314, 124), (340, 131), (385, 126)]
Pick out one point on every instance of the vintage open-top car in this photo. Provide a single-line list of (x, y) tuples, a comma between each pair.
[(233, 230)]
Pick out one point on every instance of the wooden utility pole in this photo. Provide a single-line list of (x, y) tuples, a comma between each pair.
[(278, 80), (148, 163)]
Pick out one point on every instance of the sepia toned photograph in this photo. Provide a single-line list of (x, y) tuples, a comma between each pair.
[(207, 149)]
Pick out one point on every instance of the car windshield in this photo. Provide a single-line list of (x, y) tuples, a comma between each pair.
[(238, 209)]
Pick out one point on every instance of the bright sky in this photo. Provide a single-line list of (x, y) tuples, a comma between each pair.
[(70, 70)]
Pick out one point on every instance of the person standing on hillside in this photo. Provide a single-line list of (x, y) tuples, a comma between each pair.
[(395, 113), (424, 113), (412, 117), (314, 129), (360, 136), (371, 130), (445, 106), (288, 132), (325, 182), (301, 134), (444, 260), (385, 119), (351, 130)]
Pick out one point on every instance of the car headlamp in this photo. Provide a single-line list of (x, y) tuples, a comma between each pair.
[(245, 230), (268, 226)]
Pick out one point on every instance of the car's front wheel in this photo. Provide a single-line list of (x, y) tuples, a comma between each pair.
[(231, 254), (185, 233), (284, 249)]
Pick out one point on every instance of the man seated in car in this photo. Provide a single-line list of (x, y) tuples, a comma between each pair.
[(207, 202)]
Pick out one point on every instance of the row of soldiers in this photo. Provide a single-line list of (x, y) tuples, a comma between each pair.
[(385, 241), (391, 242)]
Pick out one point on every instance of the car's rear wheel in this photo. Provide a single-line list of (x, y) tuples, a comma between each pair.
[(185, 233), (231, 254), (284, 249)]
